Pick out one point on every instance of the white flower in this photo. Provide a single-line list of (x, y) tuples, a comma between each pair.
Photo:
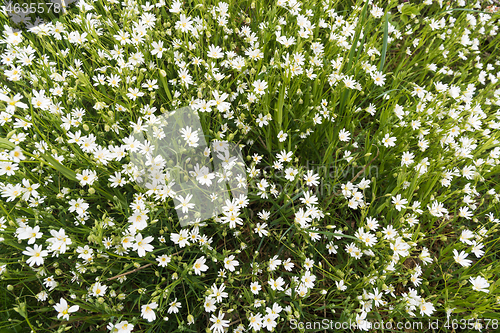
[(79, 205), (163, 260), (399, 203), (332, 248), (262, 120), (85, 252), (255, 321), (134, 93), (42, 296), (206, 178), (39, 100), (415, 280), (264, 215), (50, 283), (377, 297), (389, 232), (124, 327), (199, 265), (219, 101), (261, 229), (147, 311), (377, 12), (277, 284), (35, 254), (466, 236), (378, 78), (181, 239), (64, 310), (407, 158), (464, 212), (389, 141), (290, 173), (362, 324), (218, 323), (255, 287), (364, 184), (215, 52), (269, 321), (32, 234), (13, 102), (184, 204), (260, 87), (176, 7), (288, 264), (437, 209), (340, 285), (230, 263), (209, 304), (344, 135), (460, 258), (184, 24), (274, 262), (142, 245), (400, 247), (116, 180), (372, 223), (190, 136), (174, 306), (476, 249), (308, 279), (282, 136), (425, 256), (87, 177), (98, 289), (426, 308), (479, 284), (311, 178)]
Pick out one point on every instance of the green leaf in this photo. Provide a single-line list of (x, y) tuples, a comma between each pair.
[(384, 45), (21, 309), (164, 82), (281, 100), (409, 10), (331, 234), (68, 173), (404, 18), (6, 144)]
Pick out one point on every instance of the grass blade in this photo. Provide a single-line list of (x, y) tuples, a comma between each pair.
[(384, 45), (68, 173)]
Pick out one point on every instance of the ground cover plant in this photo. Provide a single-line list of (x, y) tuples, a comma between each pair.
[(369, 188)]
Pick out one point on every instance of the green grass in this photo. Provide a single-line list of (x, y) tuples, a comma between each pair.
[(438, 98)]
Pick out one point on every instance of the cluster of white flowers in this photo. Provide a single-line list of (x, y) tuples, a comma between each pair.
[(96, 156)]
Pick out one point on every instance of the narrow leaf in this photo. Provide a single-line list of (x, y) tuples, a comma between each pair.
[(6, 144), (331, 234), (68, 173), (384, 45)]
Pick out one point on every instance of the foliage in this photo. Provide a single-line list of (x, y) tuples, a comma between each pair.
[(370, 132)]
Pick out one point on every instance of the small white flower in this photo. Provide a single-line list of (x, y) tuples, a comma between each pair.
[(147, 311), (64, 310), (479, 284), (282, 136), (230, 263), (199, 265), (344, 135)]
